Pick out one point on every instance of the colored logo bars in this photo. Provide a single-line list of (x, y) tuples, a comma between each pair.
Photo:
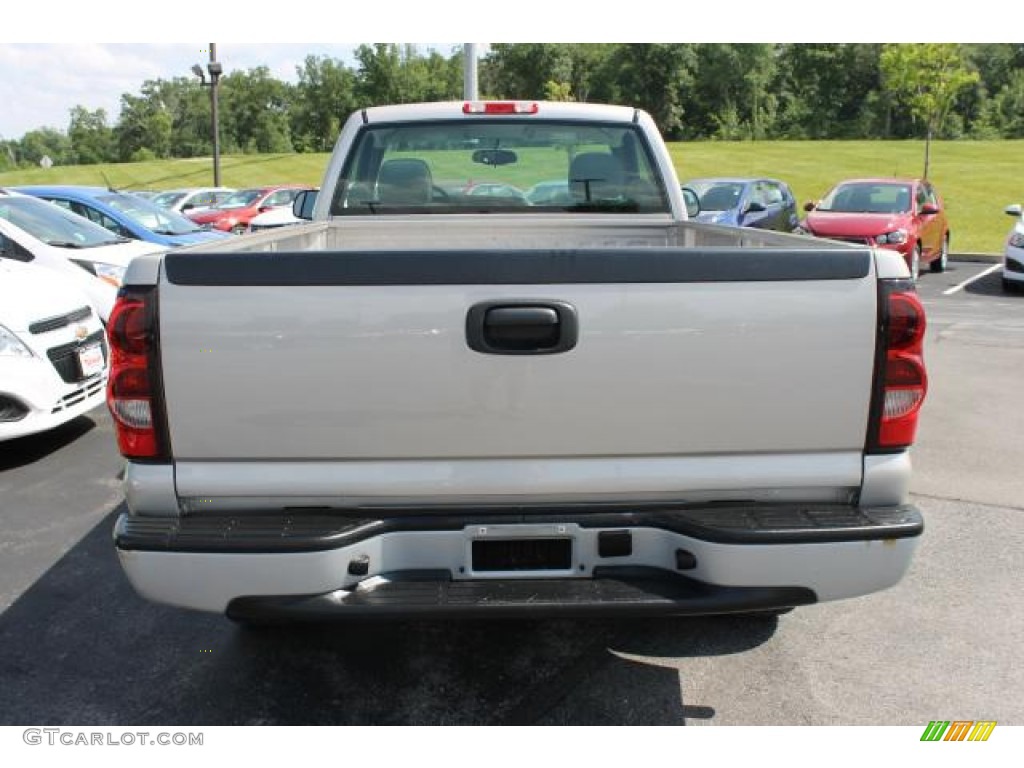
[(958, 730)]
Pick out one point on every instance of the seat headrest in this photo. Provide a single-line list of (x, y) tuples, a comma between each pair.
[(404, 180), (598, 172)]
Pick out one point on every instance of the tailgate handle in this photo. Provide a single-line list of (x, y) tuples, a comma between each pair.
[(521, 327)]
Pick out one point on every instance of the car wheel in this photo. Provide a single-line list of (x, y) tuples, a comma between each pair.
[(915, 263), (238, 229), (940, 264)]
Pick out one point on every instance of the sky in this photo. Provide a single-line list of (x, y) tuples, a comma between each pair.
[(95, 75), (40, 82)]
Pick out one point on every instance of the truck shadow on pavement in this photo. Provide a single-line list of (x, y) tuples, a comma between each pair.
[(82, 648)]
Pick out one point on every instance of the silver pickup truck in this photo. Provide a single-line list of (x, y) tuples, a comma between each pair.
[(501, 373)]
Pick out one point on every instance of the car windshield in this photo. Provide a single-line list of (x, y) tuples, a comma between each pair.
[(167, 199), (54, 225), (868, 198), (241, 199), (152, 217), (717, 195), (491, 165)]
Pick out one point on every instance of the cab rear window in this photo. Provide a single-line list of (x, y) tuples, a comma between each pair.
[(496, 165)]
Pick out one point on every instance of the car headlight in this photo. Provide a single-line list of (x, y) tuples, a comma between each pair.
[(1016, 240), (108, 273), (897, 237), (11, 345)]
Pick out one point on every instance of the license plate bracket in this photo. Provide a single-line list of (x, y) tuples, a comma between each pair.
[(90, 360), (522, 554)]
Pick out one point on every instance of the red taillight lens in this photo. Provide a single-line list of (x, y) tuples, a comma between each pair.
[(130, 390), (906, 321), (500, 108), (903, 379), (128, 327)]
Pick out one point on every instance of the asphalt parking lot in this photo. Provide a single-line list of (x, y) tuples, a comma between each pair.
[(81, 648)]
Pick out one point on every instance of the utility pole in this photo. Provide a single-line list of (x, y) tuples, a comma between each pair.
[(469, 87)]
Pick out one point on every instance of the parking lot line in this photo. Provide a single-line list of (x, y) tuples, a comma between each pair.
[(970, 280)]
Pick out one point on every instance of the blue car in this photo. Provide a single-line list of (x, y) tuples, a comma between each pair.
[(746, 202), (126, 214)]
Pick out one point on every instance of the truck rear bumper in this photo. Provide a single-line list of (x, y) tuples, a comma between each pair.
[(566, 562), (612, 590)]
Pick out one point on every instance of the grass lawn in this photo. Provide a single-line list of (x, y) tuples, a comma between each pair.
[(977, 179)]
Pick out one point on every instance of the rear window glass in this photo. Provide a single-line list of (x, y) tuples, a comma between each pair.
[(492, 165)]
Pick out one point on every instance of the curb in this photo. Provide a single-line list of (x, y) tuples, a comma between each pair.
[(989, 258)]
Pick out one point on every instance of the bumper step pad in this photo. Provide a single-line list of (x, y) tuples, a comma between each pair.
[(613, 591)]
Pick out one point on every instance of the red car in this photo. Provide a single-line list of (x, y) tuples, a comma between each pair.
[(233, 213), (905, 215)]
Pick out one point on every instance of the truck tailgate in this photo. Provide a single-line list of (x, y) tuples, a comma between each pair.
[(689, 355)]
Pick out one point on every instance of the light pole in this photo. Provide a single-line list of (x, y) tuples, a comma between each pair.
[(469, 86), (215, 69)]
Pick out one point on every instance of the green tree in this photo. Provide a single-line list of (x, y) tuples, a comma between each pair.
[(92, 139), (829, 91), (254, 112), (926, 77), (145, 123), (523, 70), (399, 74), (654, 77), (44, 142), (324, 97), (731, 95)]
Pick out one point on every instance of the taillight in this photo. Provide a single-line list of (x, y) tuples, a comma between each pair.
[(900, 378), (500, 108), (132, 387)]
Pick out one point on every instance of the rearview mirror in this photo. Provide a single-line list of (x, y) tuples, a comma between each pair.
[(810, 206), (692, 201), (303, 204), (495, 156), (929, 209), (1013, 210)]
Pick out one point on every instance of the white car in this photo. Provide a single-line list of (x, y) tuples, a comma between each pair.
[(41, 233), (191, 198), (274, 218), (1013, 256), (53, 351)]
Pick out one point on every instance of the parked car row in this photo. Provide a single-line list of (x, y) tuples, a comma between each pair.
[(34, 231), (124, 214), (233, 213), (191, 198), (905, 215)]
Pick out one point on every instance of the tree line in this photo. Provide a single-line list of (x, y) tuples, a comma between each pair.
[(695, 91)]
